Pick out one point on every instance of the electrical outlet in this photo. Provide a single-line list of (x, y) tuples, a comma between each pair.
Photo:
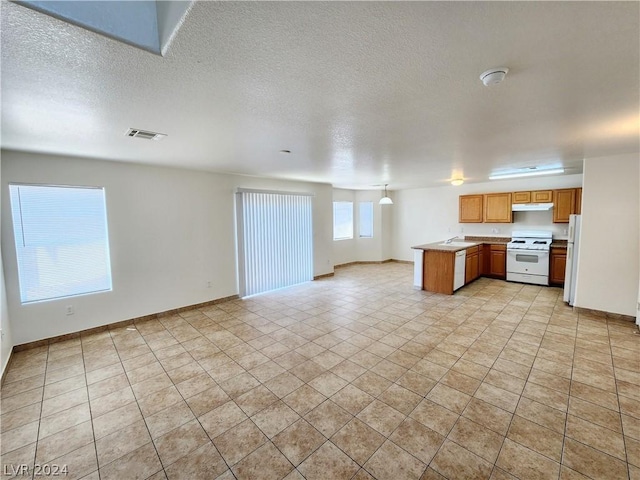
[(461, 229), (69, 309), (564, 232), (208, 284)]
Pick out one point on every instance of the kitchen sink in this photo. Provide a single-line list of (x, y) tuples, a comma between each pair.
[(459, 244)]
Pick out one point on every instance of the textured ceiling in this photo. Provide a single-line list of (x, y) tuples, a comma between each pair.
[(361, 93)]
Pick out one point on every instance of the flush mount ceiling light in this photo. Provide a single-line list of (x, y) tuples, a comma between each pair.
[(457, 182), (386, 200), (528, 172), (494, 76)]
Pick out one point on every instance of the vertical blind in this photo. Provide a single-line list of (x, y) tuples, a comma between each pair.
[(61, 241), (275, 240)]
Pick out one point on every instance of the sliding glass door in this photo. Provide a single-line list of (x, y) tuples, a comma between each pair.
[(275, 234)]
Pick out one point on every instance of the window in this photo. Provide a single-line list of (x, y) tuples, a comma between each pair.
[(342, 220), (275, 240), (61, 240), (366, 219)]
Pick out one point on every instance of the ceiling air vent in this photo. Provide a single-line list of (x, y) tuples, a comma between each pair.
[(144, 134)]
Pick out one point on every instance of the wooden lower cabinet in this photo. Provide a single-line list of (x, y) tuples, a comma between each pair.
[(437, 271), (472, 265), (497, 262), (558, 263)]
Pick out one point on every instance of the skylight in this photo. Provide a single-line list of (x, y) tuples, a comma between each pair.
[(149, 25)]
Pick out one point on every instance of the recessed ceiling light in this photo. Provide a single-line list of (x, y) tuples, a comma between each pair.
[(285, 151), (457, 182), (529, 172)]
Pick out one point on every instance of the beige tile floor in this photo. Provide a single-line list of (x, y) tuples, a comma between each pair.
[(357, 376)]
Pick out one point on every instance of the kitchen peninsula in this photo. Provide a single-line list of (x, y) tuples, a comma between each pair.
[(443, 267)]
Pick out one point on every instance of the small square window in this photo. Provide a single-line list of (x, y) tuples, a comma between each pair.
[(61, 238)]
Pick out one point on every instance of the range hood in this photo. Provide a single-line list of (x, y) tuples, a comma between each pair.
[(531, 207)]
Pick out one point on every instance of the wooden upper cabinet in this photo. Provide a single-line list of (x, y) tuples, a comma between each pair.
[(564, 204), (578, 209), (542, 196), (521, 197), (471, 207), (538, 196), (497, 208)]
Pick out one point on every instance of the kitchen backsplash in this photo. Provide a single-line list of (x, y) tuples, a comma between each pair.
[(521, 221)]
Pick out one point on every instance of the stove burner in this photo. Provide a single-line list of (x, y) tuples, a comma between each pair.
[(517, 241), (540, 242)]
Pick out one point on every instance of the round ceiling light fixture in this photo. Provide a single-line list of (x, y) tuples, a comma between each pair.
[(494, 76), (457, 182)]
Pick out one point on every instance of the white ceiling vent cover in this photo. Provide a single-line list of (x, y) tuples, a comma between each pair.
[(144, 134)]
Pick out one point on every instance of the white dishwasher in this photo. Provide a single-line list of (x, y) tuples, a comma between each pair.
[(458, 272)]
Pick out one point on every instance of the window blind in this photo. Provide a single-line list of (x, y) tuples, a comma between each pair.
[(61, 241), (342, 220), (366, 219), (276, 241)]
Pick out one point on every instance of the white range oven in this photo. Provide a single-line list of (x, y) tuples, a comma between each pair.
[(528, 257)]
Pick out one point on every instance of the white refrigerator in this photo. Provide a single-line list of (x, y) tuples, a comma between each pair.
[(571, 272)]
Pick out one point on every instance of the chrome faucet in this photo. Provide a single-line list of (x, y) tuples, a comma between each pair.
[(450, 239)]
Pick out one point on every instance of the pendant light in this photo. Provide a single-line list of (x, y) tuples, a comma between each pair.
[(386, 200)]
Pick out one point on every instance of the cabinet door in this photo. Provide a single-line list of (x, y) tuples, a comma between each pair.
[(521, 197), (498, 262), (497, 208), (471, 268), (557, 267), (542, 196), (481, 261), (564, 204), (578, 209), (470, 209)]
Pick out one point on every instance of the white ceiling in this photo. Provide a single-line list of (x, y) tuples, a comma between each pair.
[(361, 93)]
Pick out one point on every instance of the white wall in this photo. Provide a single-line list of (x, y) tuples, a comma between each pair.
[(358, 249), (608, 272), (426, 215), (6, 341), (170, 232)]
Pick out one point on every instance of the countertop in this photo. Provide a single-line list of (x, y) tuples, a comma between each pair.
[(437, 246)]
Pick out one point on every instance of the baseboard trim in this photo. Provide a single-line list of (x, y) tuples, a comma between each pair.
[(120, 324), (324, 275), (6, 367), (603, 314), (364, 262)]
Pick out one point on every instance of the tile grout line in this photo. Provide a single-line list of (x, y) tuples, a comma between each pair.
[(615, 379)]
